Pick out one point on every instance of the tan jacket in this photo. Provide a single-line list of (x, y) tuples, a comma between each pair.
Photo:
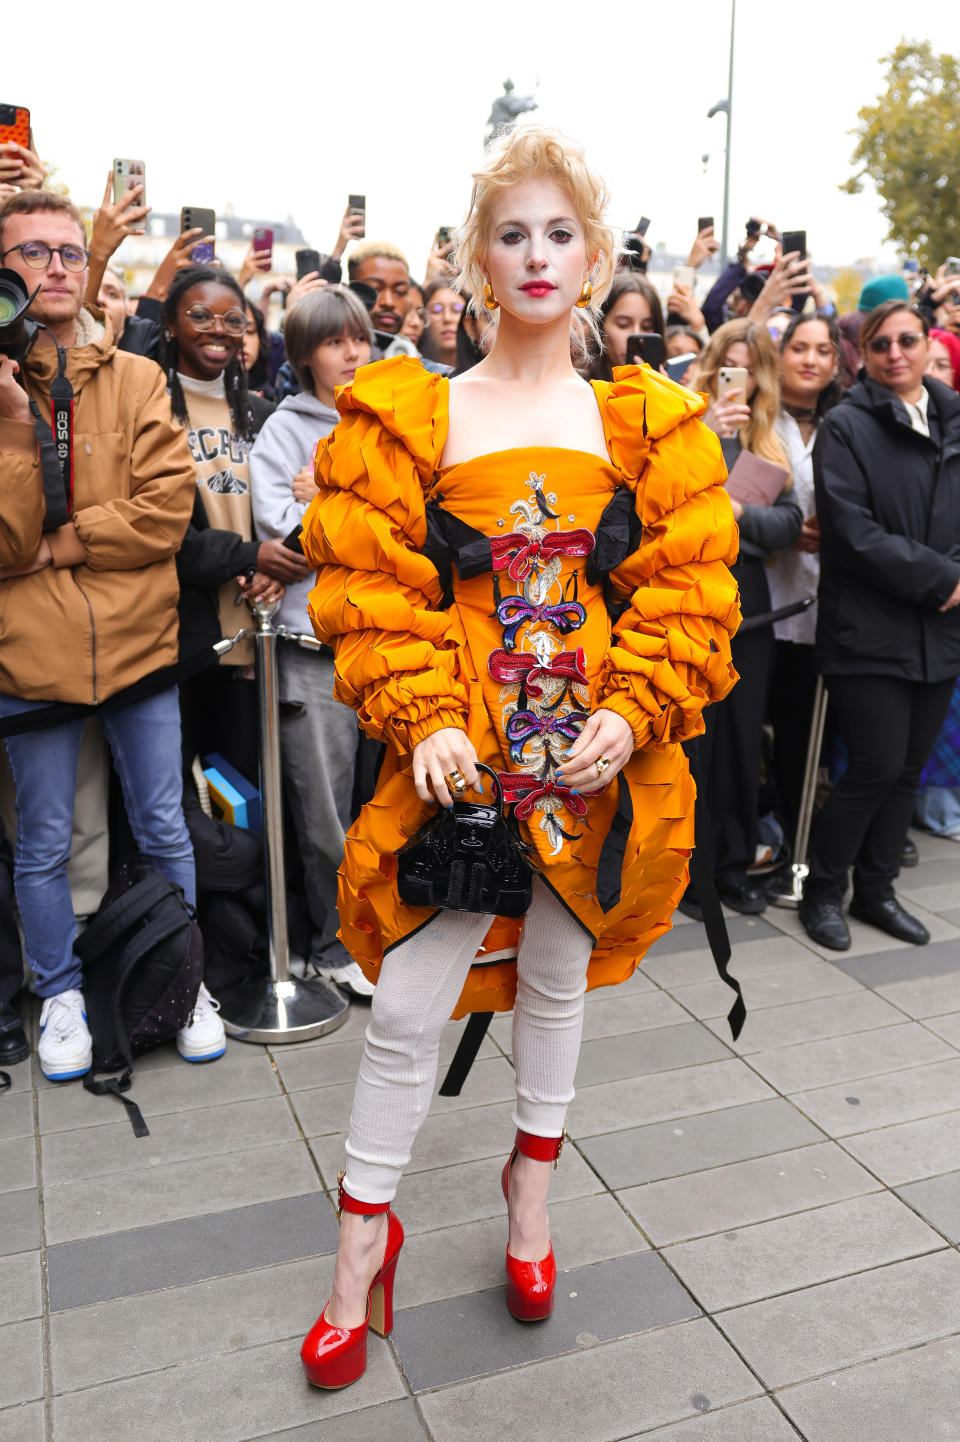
[(83, 629)]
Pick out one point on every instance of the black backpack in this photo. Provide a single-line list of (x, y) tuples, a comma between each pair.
[(142, 958)]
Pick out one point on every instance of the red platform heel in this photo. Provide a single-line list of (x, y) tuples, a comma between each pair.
[(336, 1356), (531, 1285)]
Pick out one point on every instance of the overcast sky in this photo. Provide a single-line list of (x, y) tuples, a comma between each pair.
[(389, 97)]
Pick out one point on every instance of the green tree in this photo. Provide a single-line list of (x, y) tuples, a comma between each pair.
[(908, 145)]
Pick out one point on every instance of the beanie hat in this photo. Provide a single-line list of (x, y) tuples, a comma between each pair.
[(882, 288)]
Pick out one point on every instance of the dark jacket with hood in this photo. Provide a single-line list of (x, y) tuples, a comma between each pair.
[(888, 502)]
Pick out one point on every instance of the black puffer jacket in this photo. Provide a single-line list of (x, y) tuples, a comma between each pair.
[(888, 502)]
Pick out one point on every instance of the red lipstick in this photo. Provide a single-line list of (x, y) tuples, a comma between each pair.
[(538, 288)]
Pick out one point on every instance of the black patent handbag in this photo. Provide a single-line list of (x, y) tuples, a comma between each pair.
[(469, 857)]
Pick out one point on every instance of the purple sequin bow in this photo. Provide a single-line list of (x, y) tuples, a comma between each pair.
[(524, 725), (516, 611)]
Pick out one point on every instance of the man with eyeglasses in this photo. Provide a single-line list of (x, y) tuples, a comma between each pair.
[(88, 597)]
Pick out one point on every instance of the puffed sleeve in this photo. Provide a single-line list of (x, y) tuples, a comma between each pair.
[(377, 598), (670, 650)]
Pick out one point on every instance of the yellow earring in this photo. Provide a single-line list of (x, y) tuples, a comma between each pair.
[(489, 299), (586, 295)]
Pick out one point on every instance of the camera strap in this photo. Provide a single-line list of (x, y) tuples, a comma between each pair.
[(56, 447)]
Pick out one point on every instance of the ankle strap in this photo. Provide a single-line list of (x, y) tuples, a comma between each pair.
[(540, 1149), (346, 1203)]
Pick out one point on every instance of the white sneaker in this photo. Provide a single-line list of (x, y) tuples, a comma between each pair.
[(66, 1046), (203, 1038), (349, 976)]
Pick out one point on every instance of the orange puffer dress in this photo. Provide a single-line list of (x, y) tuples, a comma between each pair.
[(483, 596)]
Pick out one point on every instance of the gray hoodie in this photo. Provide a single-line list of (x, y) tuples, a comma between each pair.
[(284, 446)]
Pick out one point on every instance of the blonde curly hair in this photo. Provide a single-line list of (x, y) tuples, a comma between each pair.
[(537, 152)]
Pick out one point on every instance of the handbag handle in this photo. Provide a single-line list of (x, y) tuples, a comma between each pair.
[(497, 788)]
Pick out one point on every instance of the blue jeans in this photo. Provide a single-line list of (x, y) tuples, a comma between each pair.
[(144, 739)]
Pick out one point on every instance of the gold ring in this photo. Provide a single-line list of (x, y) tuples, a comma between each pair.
[(456, 780), (601, 764)]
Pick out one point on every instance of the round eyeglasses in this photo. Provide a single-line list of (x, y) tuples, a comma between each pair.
[(203, 318), (38, 255), (437, 307), (908, 340)]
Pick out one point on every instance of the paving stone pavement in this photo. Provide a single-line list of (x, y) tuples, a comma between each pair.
[(757, 1240)]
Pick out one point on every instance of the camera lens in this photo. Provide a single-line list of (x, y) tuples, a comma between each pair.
[(8, 307)]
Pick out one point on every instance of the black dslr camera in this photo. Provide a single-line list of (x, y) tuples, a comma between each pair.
[(17, 334)]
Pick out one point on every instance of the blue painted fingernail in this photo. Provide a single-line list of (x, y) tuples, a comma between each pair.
[(574, 791)]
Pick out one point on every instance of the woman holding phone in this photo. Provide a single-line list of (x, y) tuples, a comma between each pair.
[(453, 535), (887, 473), (727, 757), (631, 307)]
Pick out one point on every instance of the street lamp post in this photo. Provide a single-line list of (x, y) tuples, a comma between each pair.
[(725, 107)]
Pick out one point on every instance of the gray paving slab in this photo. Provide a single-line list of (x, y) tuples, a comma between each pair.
[(167, 1059), (21, 1290), (758, 1421), (160, 1092), (597, 1394), (946, 1026), (913, 1397), (175, 1253), (16, 1115), (608, 1013), (612, 1106), (768, 1258), (21, 1376), (21, 1074), (473, 1336), (902, 963), (469, 1258), (229, 1398), (753, 1191), (398, 1421), (912, 1150), (692, 936), (944, 872), (934, 898), (87, 1208), (799, 981), (202, 1132), (881, 1101), (772, 1027), (693, 1143), (938, 1201), (18, 1164), (925, 996), (611, 1058), (26, 1423), (19, 1220), (469, 1192), (815, 1064), (750, 958), (852, 1320), (179, 1325), (327, 1061)]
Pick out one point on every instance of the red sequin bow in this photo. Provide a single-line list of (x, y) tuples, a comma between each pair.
[(512, 669), (517, 554), (526, 791)]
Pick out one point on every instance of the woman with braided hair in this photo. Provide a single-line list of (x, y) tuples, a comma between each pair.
[(524, 569)]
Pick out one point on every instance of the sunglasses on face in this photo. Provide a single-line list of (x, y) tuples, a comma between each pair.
[(203, 318), (38, 255), (909, 340)]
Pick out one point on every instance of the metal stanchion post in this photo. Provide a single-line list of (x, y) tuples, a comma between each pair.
[(799, 870), (284, 1007)]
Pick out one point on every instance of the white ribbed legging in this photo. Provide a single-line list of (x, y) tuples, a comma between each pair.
[(418, 987)]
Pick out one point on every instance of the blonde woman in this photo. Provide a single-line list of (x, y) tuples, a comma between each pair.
[(727, 758), (468, 536)]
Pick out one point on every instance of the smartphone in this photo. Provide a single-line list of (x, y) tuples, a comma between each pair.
[(646, 349), (192, 216), (127, 174), (911, 267), (444, 234), (684, 275), (731, 378), (794, 240), (308, 261), (643, 225), (753, 227), (358, 204), (677, 367), (15, 124), (292, 540), (704, 223), (953, 265), (263, 241)]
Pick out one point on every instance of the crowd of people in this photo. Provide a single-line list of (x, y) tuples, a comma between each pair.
[(195, 431)]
